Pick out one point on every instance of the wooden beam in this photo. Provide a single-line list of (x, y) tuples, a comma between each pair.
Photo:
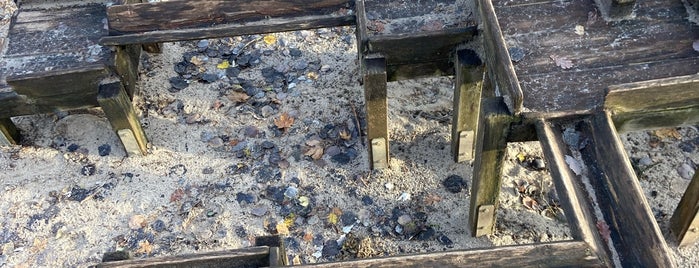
[(498, 59), (635, 121), (468, 87), (491, 142), (174, 15), (117, 107), (9, 134), (126, 62), (575, 203), (632, 226), (57, 83), (616, 9), (659, 94), (226, 30), (556, 254), (685, 221), (376, 111), (239, 258)]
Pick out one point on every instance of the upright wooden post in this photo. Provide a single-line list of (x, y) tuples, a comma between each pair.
[(467, 104), (376, 110), (491, 143), (685, 221), (8, 132), (126, 60), (117, 107)]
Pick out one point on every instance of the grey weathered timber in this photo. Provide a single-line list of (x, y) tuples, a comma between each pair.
[(239, 258), (644, 120), (498, 59), (468, 87), (414, 55), (126, 60), (8, 132), (633, 228), (685, 221), (153, 22), (556, 254), (574, 200), (118, 108), (376, 111), (616, 9), (491, 142)]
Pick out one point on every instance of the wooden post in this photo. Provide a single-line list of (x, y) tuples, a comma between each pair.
[(8, 132), (491, 143), (616, 9), (467, 104), (685, 221), (636, 235), (117, 107), (376, 111), (126, 61), (574, 202)]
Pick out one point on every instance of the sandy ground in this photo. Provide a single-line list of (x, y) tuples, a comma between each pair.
[(220, 171)]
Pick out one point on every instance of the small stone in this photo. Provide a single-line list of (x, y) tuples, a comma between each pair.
[(686, 172), (645, 161), (203, 43), (158, 225), (178, 83), (295, 52), (209, 77), (325, 68), (206, 136), (88, 170), (332, 151), (78, 194), (291, 192), (268, 145), (232, 72), (216, 142), (516, 54), (404, 219), (538, 164), (73, 147), (454, 183), (207, 171), (104, 149), (251, 132), (244, 198), (348, 218), (259, 211), (426, 234), (389, 186), (330, 249), (267, 110), (341, 158), (404, 197), (367, 200), (211, 213), (445, 240)]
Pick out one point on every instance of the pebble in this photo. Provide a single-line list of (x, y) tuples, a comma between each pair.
[(404, 219), (347, 229), (244, 198), (73, 147), (645, 161), (295, 52), (341, 158), (251, 131), (216, 142), (332, 151), (686, 171), (259, 211), (330, 249), (206, 136), (538, 164), (203, 43), (268, 145), (178, 83), (78, 194), (389, 186), (445, 240), (267, 110), (104, 149), (232, 72), (88, 170), (209, 78), (454, 183), (426, 234), (348, 218), (207, 171), (404, 197), (158, 225), (291, 192), (367, 200)]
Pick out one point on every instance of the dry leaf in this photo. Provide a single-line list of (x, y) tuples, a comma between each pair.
[(431, 199), (312, 76), (238, 97), (315, 149), (562, 62), (196, 61), (284, 121), (332, 218), (217, 105), (530, 203), (296, 260), (223, 65), (39, 244), (282, 229), (345, 135), (667, 133), (308, 237), (580, 30), (337, 211), (137, 222), (270, 39), (145, 247), (376, 26), (176, 195)]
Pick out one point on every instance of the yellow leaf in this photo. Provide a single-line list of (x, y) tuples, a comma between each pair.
[(667, 133), (332, 218), (312, 76), (289, 220), (223, 65), (304, 201), (144, 247), (521, 157), (270, 39), (282, 229)]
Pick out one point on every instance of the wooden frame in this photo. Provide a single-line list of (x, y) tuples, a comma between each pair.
[(468, 88)]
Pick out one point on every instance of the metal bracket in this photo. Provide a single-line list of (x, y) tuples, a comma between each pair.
[(379, 155), (465, 150), (129, 140), (485, 220)]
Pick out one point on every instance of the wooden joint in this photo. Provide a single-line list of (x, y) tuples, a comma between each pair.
[(9, 134), (486, 220), (116, 104), (685, 220)]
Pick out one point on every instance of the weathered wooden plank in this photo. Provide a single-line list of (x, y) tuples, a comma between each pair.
[(126, 62), (655, 119), (117, 107), (659, 94), (498, 59), (8, 132), (59, 82), (377, 111), (239, 258), (226, 30), (616, 9), (468, 88), (404, 52), (491, 142), (556, 254), (633, 228), (12, 104), (685, 220), (585, 89), (574, 201), (147, 17)]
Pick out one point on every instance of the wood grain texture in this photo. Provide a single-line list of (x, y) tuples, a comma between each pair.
[(173, 15), (655, 119), (491, 143), (635, 233), (574, 201), (375, 91), (117, 107), (239, 258), (685, 220), (9, 134), (498, 59), (660, 94), (556, 254), (468, 89)]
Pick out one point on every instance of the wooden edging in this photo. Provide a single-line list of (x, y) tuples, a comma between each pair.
[(556, 254), (239, 258)]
